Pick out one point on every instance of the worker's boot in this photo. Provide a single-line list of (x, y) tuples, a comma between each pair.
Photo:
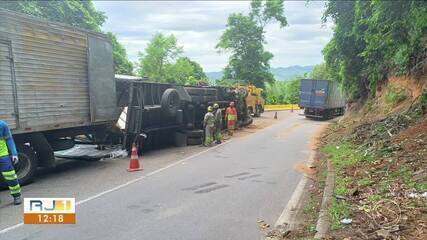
[(17, 200)]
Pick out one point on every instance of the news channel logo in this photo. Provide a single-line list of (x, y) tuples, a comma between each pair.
[(49, 211)]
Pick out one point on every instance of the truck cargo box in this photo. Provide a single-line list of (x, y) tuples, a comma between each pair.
[(53, 76), (321, 98)]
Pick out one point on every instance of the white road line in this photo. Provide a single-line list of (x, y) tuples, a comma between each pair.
[(128, 183)]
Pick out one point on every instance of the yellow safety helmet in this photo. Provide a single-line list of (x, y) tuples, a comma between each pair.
[(210, 109), (216, 106)]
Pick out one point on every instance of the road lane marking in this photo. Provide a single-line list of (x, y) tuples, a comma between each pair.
[(5, 230)]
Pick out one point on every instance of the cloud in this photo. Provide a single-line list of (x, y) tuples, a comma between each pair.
[(199, 24)]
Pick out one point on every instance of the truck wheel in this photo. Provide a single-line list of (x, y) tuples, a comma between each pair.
[(170, 102), (27, 165)]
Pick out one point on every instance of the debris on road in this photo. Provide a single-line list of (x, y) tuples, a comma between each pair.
[(90, 152)]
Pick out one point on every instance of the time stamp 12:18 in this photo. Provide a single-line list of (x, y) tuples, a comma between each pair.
[(49, 211)]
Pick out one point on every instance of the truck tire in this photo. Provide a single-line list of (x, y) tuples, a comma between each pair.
[(170, 102), (194, 141), (27, 165)]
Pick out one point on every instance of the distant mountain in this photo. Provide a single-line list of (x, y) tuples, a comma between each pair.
[(280, 73), (288, 73), (214, 75)]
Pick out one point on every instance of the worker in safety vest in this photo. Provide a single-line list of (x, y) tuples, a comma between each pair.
[(209, 124), (218, 123), (231, 118), (8, 157)]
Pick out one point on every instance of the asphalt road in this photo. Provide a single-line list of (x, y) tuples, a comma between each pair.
[(215, 193)]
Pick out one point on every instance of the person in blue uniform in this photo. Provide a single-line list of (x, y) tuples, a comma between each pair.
[(8, 157)]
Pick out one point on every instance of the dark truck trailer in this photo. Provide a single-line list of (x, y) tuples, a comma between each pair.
[(166, 113), (56, 82), (321, 99)]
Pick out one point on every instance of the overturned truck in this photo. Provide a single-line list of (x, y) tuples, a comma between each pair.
[(166, 114)]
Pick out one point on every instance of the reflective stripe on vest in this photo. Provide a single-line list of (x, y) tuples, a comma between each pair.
[(4, 151), (232, 117)]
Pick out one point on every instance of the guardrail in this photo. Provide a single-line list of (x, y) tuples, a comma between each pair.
[(279, 107)]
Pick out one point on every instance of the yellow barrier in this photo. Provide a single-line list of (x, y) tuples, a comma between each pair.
[(281, 107)]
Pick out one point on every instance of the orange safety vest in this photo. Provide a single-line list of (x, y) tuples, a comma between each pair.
[(231, 114)]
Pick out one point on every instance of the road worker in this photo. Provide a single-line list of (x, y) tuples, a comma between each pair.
[(231, 117), (218, 123), (8, 157), (209, 124)]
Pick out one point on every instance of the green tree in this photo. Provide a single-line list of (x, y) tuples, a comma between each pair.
[(198, 72), (122, 65), (283, 92), (161, 51), (320, 71), (75, 13), (244, 39), (163, 62), (185, 72), (374, 40)]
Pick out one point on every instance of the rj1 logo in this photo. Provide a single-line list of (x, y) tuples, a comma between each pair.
[(54, 205), (49, 205)]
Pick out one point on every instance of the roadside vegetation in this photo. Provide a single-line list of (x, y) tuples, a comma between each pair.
[(283, 92), (380, 166)]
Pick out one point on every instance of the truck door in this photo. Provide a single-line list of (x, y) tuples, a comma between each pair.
[(320, 89), (102, 86), (305, 94), (8, 106)]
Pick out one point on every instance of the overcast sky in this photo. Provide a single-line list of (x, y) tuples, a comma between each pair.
[(199, 24)]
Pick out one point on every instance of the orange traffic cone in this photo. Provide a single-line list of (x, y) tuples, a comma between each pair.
[(134, 160)]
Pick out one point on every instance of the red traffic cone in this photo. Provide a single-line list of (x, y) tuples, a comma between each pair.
[(134, 160)]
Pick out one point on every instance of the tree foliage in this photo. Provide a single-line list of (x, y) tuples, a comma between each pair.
[(122, 65), (244, 39), (373, 40), (283, 92), (81, 14), (162, 61), (320, 71), (75, 13), (185, 72), (161, 50)]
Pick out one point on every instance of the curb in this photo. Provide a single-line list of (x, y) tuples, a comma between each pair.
[(323, 222), (288, 220)]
